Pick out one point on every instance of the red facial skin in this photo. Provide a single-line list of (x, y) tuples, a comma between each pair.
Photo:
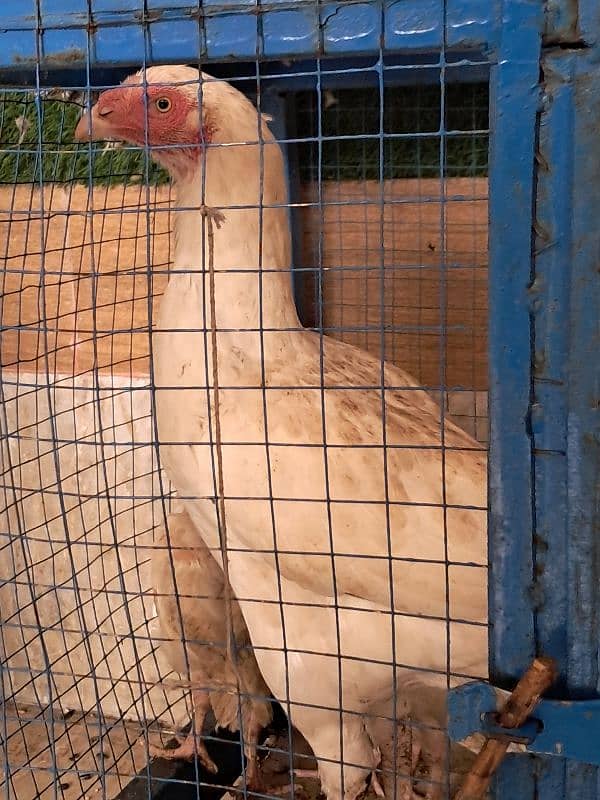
[(163, 117)]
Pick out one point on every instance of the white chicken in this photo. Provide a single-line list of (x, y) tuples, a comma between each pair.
[(191, 607), (355, 514)]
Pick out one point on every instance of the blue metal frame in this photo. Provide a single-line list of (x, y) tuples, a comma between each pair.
[(544, 392), (566, 436), (514, 106), (235, 30), (567, 374)]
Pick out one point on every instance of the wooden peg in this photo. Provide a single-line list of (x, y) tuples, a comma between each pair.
[(539, 677)]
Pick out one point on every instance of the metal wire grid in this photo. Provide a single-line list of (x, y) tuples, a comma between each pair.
[(352, 306), (75, 435), (100, 412)]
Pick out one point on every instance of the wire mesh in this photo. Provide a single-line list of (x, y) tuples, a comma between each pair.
[(336, 504), (413, 248)]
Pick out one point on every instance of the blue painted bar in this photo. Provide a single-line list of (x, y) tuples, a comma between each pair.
[(341, 22), (472, 21), (549, 297), (562, 21), (235, 30), (515, 770), (421, 24), (588, 21), (567, 386), (545, 587), (514, 105)]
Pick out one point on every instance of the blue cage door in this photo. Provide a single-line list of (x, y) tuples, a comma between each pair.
[(544, 334)]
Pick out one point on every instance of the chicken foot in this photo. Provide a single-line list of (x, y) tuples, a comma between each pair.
[(192, 745)]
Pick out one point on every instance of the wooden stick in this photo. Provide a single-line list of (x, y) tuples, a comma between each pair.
[(540, 675)]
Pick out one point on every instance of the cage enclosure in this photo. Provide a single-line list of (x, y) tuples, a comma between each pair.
[(344, 515)]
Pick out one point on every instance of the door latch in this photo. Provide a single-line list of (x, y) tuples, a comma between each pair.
[(562, 728)]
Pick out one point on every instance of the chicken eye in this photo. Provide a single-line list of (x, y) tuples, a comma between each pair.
[(163, 104)]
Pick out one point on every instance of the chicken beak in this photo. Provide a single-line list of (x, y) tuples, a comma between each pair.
[(93, 126)]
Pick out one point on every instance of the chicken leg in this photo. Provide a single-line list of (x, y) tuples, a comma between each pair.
[(192, 746), (254, 778)]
